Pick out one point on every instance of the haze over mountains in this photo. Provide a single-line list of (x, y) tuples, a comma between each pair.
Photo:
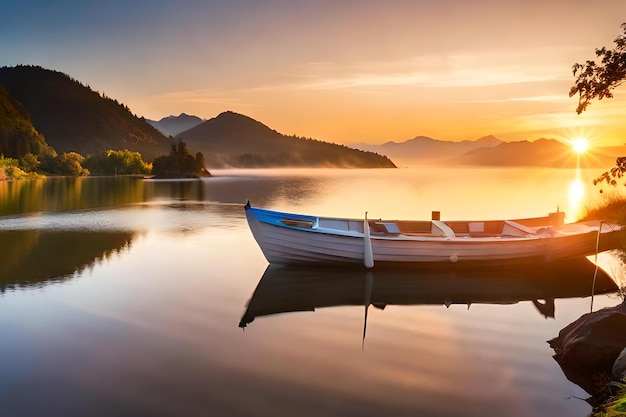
[(426, 150), (71, 117), (41, 109), (235, 140), (491, 151), (421, 150)]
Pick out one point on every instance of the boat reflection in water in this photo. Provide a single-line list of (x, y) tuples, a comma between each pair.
[(284, 289)]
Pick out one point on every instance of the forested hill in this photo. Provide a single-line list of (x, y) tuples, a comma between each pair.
[(18, 136), (235, 140), (74, 118)]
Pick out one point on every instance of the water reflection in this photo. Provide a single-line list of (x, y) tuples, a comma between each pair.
[(68, 193), (150, 329), (37, 257), (284, 289), (180, 189), (614, 263), (576, 196)]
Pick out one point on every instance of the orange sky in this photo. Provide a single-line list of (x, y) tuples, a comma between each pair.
[(347, 71)]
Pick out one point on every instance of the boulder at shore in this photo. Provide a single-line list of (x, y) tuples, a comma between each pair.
[(619, 367), (587, 348)]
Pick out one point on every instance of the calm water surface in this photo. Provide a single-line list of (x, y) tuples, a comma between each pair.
[(124, 297)]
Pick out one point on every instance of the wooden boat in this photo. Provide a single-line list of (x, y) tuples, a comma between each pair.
[(289, 288), (289, 238)]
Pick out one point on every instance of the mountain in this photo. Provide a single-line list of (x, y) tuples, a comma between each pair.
[(73, 117), (539, 153), (425, 150), (18, 136), (173, 125), (235, 140)]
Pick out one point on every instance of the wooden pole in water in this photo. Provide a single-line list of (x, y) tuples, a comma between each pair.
[(369, 282), (595, 272), (368, 255)]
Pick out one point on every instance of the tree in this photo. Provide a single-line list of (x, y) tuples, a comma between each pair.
[(116, 162), (70, 163), (29, 162), (200, 166), (179, 163), (126, 162), (597, 81), (7, 167)]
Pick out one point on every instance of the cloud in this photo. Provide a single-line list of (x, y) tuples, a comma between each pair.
[(201, 96), (537, 98), (435, 71)]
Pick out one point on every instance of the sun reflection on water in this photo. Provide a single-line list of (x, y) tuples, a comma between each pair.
[(576, 198)]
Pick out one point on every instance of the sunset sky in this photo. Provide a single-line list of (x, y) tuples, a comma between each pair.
[(336, 70)]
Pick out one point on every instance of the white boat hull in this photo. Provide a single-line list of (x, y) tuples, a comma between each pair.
[(287, 238)]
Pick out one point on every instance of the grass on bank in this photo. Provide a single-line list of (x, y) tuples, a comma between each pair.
[(611, 209), (615, 407)]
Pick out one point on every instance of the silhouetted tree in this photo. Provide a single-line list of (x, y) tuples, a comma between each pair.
[(200, 165), (598, 80)]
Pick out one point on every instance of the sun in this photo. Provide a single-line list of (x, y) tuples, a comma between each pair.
[(579, 145)]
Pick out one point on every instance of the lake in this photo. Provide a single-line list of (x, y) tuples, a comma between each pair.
[(129, 297)]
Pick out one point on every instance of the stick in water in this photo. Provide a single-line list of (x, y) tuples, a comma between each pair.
[(369, 282)]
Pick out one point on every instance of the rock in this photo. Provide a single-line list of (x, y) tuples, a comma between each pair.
[(587, 348), (619, 367)]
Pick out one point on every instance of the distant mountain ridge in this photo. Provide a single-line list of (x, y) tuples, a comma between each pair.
[(426, 150), (73, 117), (173, 125), (542, 152), (42, 109), (491, 151), (235, 140)]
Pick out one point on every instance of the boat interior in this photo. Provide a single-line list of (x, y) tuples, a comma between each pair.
[(436, 228), (489, 228)]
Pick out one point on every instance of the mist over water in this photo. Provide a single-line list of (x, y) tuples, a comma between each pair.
[(120, 296)]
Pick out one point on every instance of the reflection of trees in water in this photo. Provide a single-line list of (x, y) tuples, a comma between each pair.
[(179, 190), (65, 193), (261, 190), (32, 257), (68, 193)]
